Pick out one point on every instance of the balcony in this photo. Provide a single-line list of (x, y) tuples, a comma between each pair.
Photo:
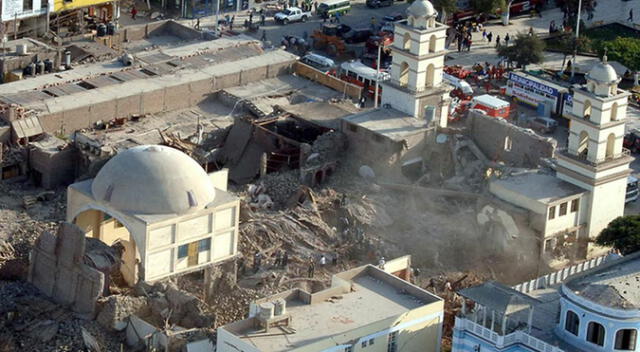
[(517, 337), (610, 161)]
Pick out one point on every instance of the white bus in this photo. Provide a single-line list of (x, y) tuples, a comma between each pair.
[(632, 189), (329, 8)]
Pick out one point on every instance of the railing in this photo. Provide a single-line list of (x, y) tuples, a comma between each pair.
[(583, 156), (558, 276), (516, 337)]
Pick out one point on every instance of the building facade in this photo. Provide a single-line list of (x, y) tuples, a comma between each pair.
[(365, 309), (168, 215), (20, 16)]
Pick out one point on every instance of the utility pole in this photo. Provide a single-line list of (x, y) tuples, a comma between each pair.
[(217, 18), (375, 94), (575, 47)]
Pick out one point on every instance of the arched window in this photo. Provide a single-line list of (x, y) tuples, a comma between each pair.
[(595, 333), (587, 109), (572, 323), (406, 42), (430, 76), (611, 141), (614, 112), (404, 74), (626, 340), (583, 143), (432, 43)]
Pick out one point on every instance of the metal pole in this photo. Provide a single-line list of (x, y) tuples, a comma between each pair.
[(575, 48), (217, 16), (375, 99)]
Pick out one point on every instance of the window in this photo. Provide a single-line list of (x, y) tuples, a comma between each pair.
[(572, 323), (563, 208), (595, 333), (575, 204), (392, 344), (364, 343), (626, 340), (552, 212), (183, 251), (27, 5), (204, 245), (371, 342)]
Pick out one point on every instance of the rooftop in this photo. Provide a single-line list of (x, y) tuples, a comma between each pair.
[(323, 113), (373, 295), (540, 187), (613, 286), (389, 122)]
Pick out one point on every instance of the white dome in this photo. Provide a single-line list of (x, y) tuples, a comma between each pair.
[(603, 73), (422, 8), (153, 179)]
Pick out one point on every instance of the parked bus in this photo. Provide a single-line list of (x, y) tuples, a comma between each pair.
[(330, 8), (357, 73), (632, 189), (549, 98)]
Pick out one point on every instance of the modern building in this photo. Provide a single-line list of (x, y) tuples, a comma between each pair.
[(594, 311), (365, 309), (589, 187), (162, 207)]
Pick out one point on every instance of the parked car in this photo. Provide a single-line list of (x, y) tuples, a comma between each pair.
[(543, 124), (370, 60), (358, 35), (632, 141), (379, 3), (292, 14), (394, 17), (320, 62)]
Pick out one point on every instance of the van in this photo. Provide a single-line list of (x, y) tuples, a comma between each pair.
[(543, 124), (330, 8), (318, 61), (491, 105)]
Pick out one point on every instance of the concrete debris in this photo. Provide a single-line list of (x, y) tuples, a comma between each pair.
[(115, 309), (366, 172)]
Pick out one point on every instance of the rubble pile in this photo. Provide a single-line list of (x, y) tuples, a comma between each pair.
[(30, 321), (326, 147), (280, 186)]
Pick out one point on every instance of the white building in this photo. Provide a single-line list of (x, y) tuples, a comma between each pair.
[(588, 190), (168, 214), (16, 12)]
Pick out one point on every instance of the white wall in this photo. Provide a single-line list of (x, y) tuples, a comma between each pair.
[(12, 7)]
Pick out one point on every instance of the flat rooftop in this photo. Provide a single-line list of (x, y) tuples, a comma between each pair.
[(325, 114), (614, 286), (389, 122), (540, 187), (375, 295)]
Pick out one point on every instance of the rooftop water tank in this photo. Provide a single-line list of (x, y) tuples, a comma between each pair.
[(266, 311), (280, 306)]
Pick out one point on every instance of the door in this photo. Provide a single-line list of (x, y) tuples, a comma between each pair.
[(193, 254)]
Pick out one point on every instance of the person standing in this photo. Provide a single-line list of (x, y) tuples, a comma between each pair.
[(263, 19), (233, 18), (490, 36), (484, 35), (264, 36), (506, 40), (134, 12), (498, 41), (311, 269), (630, 19)]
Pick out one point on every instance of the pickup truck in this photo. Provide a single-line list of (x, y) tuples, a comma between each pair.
[(292, 14)]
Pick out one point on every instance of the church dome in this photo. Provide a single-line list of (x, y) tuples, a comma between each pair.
[(603, 73), (422, 8), (153, 179)]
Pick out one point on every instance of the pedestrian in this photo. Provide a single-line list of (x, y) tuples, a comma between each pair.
[(263, 19), (381, 263), (285, 259), (469, 42), (323, 260), (363, 99), (531, 31), (305, 35), (257, 260), (134, 12), (506, 40), (311, 269), (337, 17), (459, 44), (315, 6), (490, 36), (264, 36), (484, 35), (630, 19), (334, 260), (278, 259), (250, 17), (498, 41), (233, 18)]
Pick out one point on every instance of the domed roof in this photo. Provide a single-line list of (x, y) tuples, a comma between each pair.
[(603, 72), (421, 8), (153, 179)]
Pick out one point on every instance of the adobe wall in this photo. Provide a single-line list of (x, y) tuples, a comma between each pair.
[(56, 169), (527, 147)]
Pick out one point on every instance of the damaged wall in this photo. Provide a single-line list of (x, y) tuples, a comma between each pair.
[(500, 140), (58, 270)]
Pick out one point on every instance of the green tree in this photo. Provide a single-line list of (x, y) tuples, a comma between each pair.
[(623, 233), (445, 8), (624, 50), (525, 50), (489, 7)]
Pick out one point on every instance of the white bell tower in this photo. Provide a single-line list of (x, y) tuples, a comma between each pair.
[(418, 61), (595, 159)]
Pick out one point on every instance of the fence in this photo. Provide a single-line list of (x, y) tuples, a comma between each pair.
[(558, 276), (499, 341), (327, 80)]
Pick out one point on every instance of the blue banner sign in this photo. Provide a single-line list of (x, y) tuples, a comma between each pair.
[(533, 84)]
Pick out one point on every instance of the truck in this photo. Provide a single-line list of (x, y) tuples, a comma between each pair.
[(292, 14), (491, 105)]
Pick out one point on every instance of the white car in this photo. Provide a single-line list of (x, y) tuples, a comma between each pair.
[(292, 14)]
